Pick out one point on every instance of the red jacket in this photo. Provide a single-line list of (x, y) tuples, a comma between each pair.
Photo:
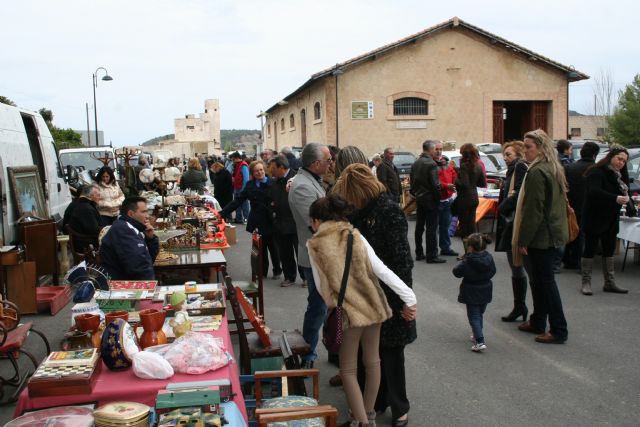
[(238, 180), (447, 175)]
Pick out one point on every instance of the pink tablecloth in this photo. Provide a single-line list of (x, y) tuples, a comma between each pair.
[(125, 386)]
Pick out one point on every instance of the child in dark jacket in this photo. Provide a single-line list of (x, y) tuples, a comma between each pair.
[(476, 269)]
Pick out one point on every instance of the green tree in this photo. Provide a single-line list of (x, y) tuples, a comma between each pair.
[(63, 138), (5, 100), (624, 124)]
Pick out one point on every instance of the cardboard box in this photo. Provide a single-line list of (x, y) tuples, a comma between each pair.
[(230, 234)]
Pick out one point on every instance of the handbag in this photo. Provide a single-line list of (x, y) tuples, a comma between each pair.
[(332, 329), (572, 223)]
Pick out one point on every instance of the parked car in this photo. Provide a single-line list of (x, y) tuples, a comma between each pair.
[(578, 143), (403, 160), (489, 147), (494, 173)]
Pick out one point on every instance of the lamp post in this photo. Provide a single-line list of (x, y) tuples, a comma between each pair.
[(337, 72), (261, 116), (106, 78)]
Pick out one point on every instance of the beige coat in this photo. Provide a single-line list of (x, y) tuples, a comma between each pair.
[(365, 303), (111, 197)]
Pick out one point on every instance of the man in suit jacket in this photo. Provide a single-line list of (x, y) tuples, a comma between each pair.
[(306, 189), (576, 195), (425, 187), (387, 173), (286, 235)]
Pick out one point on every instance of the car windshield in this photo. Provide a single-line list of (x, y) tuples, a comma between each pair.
[(403, 159), (84, 159), (488, 164)]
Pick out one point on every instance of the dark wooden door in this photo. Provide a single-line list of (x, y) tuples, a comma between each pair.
[(498, 122), (539, 112), (303, 126)]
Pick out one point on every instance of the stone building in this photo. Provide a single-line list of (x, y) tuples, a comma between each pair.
[(454, 82), (202, 132), (587, 126)]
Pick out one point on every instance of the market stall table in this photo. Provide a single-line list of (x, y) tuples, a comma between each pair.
[(113, 386), (485, 206), (630, 232), (206, 261)]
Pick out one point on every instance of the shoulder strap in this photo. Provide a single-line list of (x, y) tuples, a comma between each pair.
[(347, 266)]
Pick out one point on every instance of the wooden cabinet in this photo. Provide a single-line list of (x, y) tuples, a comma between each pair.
[(21, 286), (41, 246)]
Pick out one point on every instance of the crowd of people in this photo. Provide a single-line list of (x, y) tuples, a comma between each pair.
[(331, 205)]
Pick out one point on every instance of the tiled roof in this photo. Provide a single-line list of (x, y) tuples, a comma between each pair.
[(572, 74)]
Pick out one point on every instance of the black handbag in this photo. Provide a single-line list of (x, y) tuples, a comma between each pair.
[(332, 329)]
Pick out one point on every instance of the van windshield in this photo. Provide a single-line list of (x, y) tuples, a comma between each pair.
[(84, 159)]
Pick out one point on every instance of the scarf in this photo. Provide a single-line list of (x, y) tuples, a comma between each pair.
[(621, 185), (517, 222)]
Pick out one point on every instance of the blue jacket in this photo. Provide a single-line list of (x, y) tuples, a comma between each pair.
[(125, 253), (476, 270)]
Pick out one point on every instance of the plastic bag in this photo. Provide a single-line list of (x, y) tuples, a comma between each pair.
[(151, 366), (196, 353)]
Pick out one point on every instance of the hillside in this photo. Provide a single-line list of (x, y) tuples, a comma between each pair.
[(236, 138)]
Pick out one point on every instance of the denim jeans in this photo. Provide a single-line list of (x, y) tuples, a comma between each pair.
[(474, 314), (544, 290), (242, 212), (444, 222), (314, 316)]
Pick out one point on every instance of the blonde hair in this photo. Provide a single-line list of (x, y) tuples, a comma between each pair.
[(547, 153), (518, 147), (358, 186), (255, 163), (194, 164)]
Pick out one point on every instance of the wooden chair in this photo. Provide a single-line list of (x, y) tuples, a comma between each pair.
[(78, 255), (253, 289), (12, 337), (249, 342), (286, 408)]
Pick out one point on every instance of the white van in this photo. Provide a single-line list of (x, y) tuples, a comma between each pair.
[(25, 141), (86, 159)]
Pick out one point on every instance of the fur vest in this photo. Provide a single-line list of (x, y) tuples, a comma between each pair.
[(364, 302)]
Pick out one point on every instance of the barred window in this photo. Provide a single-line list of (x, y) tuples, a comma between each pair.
[(410, 107), (601, 131)]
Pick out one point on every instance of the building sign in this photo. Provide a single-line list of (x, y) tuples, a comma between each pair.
[(361, 110), (413, 124)]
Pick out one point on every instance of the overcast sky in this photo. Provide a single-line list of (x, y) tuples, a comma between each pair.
[(166, 57)]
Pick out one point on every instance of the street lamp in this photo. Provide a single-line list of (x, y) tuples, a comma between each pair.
[(261, 116), (337, 72), (106, 78)]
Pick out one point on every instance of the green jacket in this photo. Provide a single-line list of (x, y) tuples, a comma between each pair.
[(544, 210)]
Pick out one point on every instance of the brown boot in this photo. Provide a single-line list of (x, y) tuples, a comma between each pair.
[(587, 267), (609, 277)]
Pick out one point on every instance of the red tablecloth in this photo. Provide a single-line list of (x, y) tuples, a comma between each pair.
[(125, 386)]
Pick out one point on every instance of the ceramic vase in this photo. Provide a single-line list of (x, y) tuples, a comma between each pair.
[(90, 323), (152, 321)]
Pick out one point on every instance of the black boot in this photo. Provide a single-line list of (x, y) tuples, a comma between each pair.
[(519, 286)]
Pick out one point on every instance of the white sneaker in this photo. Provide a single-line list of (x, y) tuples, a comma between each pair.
[(472, 338), (478, 347)]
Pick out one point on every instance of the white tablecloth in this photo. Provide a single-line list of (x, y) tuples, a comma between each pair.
[(630, 230)]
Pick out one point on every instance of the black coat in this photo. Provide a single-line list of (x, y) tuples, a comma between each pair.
[(222, 187), (467, 184), (476, 270), (193, 179), (294, 163), (125, 252), (85, 219), (577, 182), (387, 173), (385, 227), (600, 211), (260, 216), (425, 183), (507, 205), (283, 218)]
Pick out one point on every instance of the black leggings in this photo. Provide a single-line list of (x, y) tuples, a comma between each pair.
[(608, 239)]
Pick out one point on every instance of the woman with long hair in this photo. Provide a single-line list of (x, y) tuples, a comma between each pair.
[(348, 156), (470, 177), (384, 225), (111, 196), (513, 153), (365, 304), (540, 229), (258, 193), (606, 193), (194, 178)]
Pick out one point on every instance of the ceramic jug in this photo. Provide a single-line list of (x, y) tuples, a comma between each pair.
[(90, 323), (76, 340), (152, 321), (124, 315)]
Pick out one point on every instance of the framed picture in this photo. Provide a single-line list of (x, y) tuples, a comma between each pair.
[(27, 190)]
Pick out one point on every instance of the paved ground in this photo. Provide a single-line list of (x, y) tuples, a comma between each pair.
[(592, 380)]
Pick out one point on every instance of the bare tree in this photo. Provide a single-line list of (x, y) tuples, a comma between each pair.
[(604, 99)]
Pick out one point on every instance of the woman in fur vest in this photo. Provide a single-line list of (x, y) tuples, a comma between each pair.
[(365, 304)]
